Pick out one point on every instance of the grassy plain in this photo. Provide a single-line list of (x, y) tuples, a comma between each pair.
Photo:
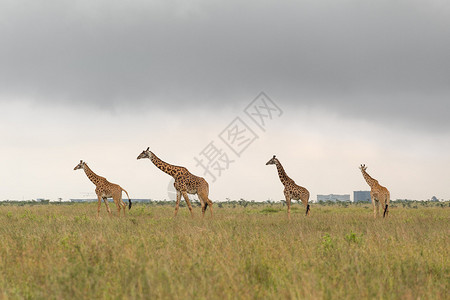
[(252, 252)]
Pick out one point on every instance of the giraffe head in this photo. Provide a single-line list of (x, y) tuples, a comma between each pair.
[(80, 165), (272, 161), (363, 168), (144, 154)]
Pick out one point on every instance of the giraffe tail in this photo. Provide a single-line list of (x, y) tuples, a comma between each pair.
[(385, 210), (129, 200), (308, 209), (209, 202)]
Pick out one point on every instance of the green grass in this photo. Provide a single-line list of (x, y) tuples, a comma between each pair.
[(65, 252)]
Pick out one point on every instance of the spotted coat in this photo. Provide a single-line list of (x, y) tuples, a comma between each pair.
[(105, 189), (292, 191), (185, 182), (378, 193)]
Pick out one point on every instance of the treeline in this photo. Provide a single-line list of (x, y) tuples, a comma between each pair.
[(243, 203)]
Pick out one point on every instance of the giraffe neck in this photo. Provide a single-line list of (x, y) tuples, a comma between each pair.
[(162, 165), (283, 176), (91, 175), (370, 181)]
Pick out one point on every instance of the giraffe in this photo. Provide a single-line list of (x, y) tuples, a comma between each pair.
[(185, 182), (291, 190), (105, 189), (377, 193)]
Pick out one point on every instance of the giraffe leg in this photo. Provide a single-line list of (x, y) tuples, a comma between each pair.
[(374, 208), (185, 195), (205, 206), (124, 206), (205, 202), (386, 210), (386, 207), (209, 202), (115, 197), (204, 192), (377, 204), (306, 204), (99, 204), (288, 202), (117, 201), (177, 205), (107, 205), (121, 204)]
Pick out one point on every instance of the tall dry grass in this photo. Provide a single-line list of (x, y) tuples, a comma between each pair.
[(64, 251)]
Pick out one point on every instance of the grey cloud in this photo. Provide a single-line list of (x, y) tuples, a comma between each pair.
[(388, 59)]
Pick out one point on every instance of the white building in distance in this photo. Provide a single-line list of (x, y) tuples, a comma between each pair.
[(333, 197), (361, 196)]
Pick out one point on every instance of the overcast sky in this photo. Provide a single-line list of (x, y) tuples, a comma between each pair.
[(357, 82)]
